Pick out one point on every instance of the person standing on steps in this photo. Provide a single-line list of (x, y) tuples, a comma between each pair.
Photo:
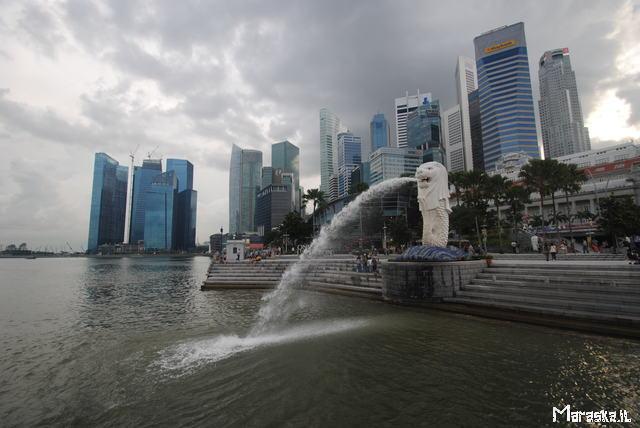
[(545, 250), (554, 251)]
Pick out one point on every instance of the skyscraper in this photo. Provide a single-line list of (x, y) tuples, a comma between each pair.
[(563, 130), (504, 92), (142, 178), (466, 82), (186, 204), (404, 106), (108, 202), (286, 157), (329, 129), (424, 131), (349, 157), (245, 179), (379, 132), (161, 212), (453, 136), (476, 131), (392, 162)]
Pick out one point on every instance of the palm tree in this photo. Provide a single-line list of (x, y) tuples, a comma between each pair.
[(537, 175), (516, 197), (474, 183), (495, 188), (455, 179), (317, 197), (570, 181)]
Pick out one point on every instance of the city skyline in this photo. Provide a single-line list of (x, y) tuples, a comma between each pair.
[(120, 90)]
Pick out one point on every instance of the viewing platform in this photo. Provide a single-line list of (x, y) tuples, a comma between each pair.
[(595, 292)]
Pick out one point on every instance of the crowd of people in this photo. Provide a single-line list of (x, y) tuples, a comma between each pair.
[(367, 262)]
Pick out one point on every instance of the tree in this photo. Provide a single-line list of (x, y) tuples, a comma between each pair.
[(296, 228), (317, 197), (618, 217), (474, 185), (516, 197), (537, 175), (495, 189), (570, 181), (360, 187), (399, 231), (455, 179)]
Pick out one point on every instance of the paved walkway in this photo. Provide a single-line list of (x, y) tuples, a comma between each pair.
[(520, 262)]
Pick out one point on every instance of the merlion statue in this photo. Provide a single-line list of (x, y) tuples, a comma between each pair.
[(433, 200)]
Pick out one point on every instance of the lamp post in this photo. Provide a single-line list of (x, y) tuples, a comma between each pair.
[(285, 238), (384, 238)]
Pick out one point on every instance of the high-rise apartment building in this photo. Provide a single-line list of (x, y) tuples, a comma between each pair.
[(404, 106), (392, 162), (504, 92), (142, 178), (329, 129), (186, 200), (349, 157), (424, 132), (245, 179), (160, 212), (563, 130), (379, 132), (108, 202)]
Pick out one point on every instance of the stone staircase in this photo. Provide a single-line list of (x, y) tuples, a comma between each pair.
[(333, 274), (561, 257), (599, 292)]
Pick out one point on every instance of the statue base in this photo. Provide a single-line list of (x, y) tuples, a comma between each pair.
[(424, 274), (426, 253)]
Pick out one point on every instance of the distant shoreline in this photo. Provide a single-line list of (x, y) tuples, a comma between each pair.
[(94, 256)]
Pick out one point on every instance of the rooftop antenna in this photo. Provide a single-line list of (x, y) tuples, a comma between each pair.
[(127, 218)]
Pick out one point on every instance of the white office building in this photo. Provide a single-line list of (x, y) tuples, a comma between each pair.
[(404, 106), (453, 140), (329, 129), (601, 156)]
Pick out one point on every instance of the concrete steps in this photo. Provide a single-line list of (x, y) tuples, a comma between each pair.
[(598, 292), (565, 257)]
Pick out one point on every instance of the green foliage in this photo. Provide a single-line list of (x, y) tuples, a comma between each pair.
[(618, 217), (315, 196), (463, 219), (399, 231), (298, 230)]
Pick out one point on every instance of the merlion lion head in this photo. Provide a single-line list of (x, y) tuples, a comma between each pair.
[(433, 185)]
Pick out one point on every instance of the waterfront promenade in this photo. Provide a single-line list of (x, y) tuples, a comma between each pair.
[(594, 293)]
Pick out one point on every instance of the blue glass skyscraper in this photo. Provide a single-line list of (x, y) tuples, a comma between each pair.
[(186, 204), (380, 132), (142, 178), (160, 212), (504, 92), (424, 131), (108, 202), (245, 179)]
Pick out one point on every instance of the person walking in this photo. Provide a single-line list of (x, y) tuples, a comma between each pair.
[(553, 250), (514, 246), (546, 250)]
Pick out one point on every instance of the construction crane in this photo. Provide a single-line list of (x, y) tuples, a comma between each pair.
[(129, 201), (149, 154)]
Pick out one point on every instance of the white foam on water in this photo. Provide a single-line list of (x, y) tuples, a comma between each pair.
[(197, 353)]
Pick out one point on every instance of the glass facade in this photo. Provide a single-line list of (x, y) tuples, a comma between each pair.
[(329, 128), (286, 156), (108, 202), (160, 213), (476, 130), (349, 157), (186, 204), (380, 132), (504, 91), (245, 180), (424, 131), (184, 171), (392, 162), (142, 178)]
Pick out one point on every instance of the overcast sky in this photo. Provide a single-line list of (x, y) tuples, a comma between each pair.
[(193, 77)]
